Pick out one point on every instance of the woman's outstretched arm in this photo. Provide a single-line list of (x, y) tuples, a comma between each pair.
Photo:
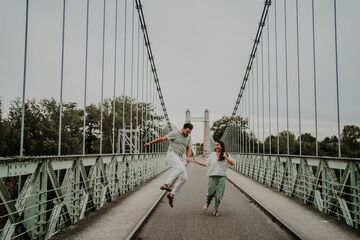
[(201, 163)]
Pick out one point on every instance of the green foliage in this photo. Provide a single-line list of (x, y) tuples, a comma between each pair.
[(220, 125), (350, 140), (308, 143), (42, 126)]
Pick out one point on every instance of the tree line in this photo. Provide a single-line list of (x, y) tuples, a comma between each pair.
[(328, 146), (41, 130)]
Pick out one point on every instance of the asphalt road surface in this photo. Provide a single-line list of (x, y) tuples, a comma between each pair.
[(238, 217)]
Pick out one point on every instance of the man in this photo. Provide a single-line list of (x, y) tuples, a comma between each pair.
[(180, 142)]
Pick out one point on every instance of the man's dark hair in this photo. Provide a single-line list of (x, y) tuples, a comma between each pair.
[(188, 125)]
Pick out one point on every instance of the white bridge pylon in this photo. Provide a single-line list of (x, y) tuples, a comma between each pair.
[(208, 143)]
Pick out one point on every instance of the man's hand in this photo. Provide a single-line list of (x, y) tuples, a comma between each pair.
[(146, 145), (189, 160)]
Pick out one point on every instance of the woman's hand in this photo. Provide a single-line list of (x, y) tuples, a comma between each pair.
[(229, 159)]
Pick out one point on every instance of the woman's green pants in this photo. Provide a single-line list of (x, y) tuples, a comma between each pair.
[(216, 188)]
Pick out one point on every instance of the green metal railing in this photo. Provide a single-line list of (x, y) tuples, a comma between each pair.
[(331, 185), (42, 195)]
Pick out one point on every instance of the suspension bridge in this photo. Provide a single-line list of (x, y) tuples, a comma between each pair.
[(80, 171)]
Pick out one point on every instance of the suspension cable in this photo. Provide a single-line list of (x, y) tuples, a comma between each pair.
[(124, 80), (315, 87), (102, 78), (86, 73), (24, 80), (262, 93), (269, 79), (115, 60), (337, 81), (277, 84), (298, 74), (132, 75), (151, 59), (62, 76), (286, 79), (137, 88), (253, 52)]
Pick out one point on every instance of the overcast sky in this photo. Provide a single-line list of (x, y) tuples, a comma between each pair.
[(201, 49)]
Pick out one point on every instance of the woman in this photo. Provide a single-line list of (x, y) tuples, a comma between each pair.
[(217, 164)]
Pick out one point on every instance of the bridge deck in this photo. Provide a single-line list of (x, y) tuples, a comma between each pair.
[(239, 217)]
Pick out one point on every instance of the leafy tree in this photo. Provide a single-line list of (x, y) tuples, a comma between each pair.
[(283, 136), (329, 146), (350, 141), (12, 135), (308, 144), (273, 144), (220, 125), (92, 133), (71, 129), (49, 126), (351, 134)]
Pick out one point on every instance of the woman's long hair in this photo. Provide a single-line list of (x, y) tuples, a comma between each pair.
[(222, 150)]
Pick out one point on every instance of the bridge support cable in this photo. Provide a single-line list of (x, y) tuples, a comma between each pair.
[(150, 95), (298, 75), (243, 113), (151, 59), (86, 75), (240, 133), (253, 109), (137, 137), (102, 78), (262, 94), (257, 103), (269, 78), (113, 130), (62, 75), (276, 80), (249, 117), (286, 81), (142, 132), (246, 134), (337, 80), (314, 72), (132, 73), (147, 73), (253, 52), (24, 79), (123, 137)]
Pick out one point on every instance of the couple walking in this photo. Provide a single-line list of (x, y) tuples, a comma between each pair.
[(217, 163)]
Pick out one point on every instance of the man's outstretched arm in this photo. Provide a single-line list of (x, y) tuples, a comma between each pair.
[(155, 141), (189, 154)]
